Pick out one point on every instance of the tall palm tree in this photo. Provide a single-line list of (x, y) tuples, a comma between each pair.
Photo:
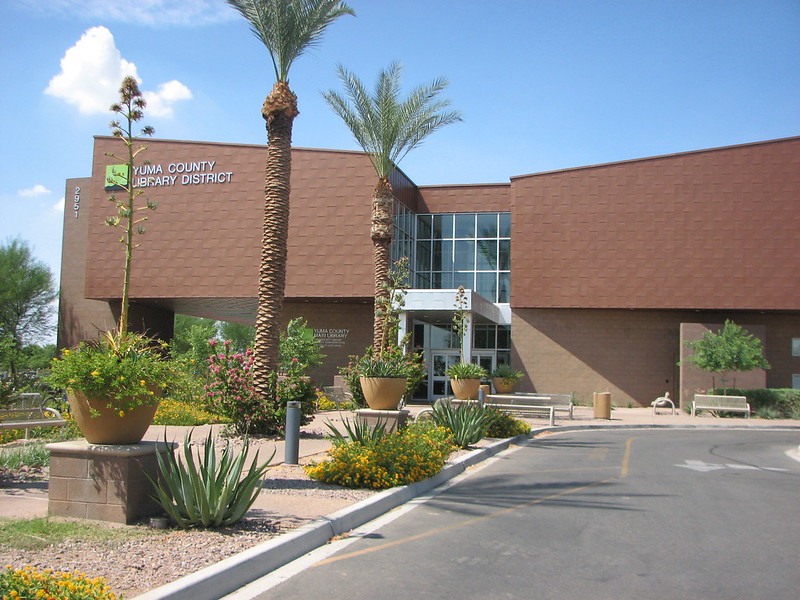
[(387, 128), (287, 28)]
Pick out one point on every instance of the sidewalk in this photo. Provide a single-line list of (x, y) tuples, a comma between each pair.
[(28, 500)]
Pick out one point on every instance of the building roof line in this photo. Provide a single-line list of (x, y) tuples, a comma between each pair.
[(658, 157)]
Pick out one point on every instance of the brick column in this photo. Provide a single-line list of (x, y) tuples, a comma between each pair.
[(103, 482)]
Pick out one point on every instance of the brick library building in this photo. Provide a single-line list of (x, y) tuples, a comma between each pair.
[(588, 279)]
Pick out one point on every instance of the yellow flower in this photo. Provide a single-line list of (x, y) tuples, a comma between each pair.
[(143, 382), (66, 353), (122, 413), (122, 378), (95, 373)]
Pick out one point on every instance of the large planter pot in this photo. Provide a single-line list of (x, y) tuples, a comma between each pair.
[(465, 389), (503, 386), (383, 393), (108, 427)]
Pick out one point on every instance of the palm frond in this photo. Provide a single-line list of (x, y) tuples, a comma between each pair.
[(385, 127), (288, 28)]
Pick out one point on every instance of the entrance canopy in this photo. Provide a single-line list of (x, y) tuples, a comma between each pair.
[(438, 306)]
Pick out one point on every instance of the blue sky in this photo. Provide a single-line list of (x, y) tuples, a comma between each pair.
[(542, 84)]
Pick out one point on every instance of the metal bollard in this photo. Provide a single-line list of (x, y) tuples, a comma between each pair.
[(292, 441), (481, 396)]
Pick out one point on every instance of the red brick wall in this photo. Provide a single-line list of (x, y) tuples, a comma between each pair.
[(493, 197), (714, 229)]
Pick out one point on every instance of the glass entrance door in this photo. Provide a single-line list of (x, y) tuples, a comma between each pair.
[(438, 382)]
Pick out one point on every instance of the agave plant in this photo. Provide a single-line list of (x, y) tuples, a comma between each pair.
[(208, 492), (469, 422), (359, 431)]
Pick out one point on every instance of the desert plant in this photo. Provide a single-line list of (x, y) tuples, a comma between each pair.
[(207, 492), (464, 370), (359, 431), (506, 373), (33, 454), (468, 422)]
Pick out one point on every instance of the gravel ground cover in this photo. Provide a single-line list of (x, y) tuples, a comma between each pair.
[(157, 557)]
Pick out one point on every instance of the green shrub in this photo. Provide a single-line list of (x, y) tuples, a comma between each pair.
[(406, 456), (504, 425), (34, 454), (29, 583), (209, 492), (464, 370), (468, 422), (776, 402)]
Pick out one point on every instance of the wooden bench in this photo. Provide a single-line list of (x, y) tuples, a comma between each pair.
[(720, 403), (560, 402), (29, 411)]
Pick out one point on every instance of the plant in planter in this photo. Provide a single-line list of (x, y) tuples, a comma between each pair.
[(114, 386), (465, 376), (119, 378), (385, 375), (465, 379), (505, 378)]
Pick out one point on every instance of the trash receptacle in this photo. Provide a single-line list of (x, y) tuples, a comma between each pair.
[(602, 405)]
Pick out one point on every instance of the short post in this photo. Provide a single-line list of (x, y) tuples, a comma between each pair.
[(292, 442), (481, 396)]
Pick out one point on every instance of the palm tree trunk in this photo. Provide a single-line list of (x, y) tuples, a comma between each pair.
[(381, 232), (279, 111)]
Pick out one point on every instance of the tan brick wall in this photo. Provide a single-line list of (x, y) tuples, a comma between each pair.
[(632, 354)]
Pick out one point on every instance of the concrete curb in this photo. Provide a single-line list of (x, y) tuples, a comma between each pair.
[(233, 573)]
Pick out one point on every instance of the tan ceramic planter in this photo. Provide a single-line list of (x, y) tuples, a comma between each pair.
[(108, 427), (466, 389), (383, 393), (502, 387)]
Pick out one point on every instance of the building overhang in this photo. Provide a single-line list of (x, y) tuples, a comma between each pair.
[(438, 306)]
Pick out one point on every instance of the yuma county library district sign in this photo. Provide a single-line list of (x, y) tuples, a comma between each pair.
[(175, 173)]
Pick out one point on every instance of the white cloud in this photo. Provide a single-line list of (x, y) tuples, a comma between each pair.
[(92, 71), (154, 13), (36, 190), (58, 207), (159, 104)]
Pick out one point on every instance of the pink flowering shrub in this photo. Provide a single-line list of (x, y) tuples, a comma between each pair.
[(231, 393)]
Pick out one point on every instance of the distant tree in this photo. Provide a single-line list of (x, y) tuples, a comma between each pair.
[(240, 336), (190, 339), (299, 348), (387, 128), (287, 28), (27, 290), (730, 349)]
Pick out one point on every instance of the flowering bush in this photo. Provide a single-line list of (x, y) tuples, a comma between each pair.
[(128, 370), (27, 583), (177, 412), (232, 394), (409, 455)]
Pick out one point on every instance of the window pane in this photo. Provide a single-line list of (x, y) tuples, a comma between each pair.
[(423, 256), (483, 337), (442, 281), (423, 281), (505, 255), (503, 336), (505, 225), (465, 226), (487, 255), (487, 225), (465, 279), (486, 285), (442, 226), (504, 357), (504, 291), (465, 255), (442, 255), (424, 227), (440, 338)]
